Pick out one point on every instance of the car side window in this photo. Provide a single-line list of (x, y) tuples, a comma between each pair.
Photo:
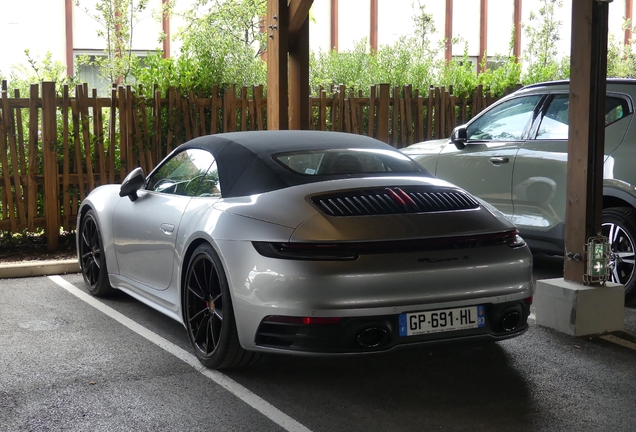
[(183, 173), (209, 186), (507, 121), (554, 124)]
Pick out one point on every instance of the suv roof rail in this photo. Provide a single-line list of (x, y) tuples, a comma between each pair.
[(561, 82)]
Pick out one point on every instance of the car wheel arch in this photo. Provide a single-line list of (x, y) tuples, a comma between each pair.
[(185, 263), (613, 197)]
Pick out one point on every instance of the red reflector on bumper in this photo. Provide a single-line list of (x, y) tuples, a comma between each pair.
[(302, 320), (528, 300)]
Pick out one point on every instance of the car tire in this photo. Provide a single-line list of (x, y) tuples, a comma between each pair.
[(92, 257), (619, 225), (209, 314)]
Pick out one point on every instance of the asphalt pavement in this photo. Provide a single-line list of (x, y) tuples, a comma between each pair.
[(72, 362)]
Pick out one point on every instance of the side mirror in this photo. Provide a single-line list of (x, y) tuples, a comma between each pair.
[(459, 137), (134, 181)]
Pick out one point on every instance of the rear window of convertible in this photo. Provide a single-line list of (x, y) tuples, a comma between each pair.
[(346, 161)]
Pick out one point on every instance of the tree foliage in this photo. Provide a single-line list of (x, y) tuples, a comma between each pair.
[(116, 20), (222, 43), (543, 32), (38, 70)]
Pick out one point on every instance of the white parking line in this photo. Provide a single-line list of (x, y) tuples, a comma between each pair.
[(619, 341), (609, 338), (224, 381)]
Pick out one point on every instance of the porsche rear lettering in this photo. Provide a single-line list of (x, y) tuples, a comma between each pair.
[(436, 260)]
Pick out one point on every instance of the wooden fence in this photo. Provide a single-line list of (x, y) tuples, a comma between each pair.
[(54, 149)]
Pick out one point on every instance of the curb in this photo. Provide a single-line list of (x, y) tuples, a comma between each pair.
[(38, 268)]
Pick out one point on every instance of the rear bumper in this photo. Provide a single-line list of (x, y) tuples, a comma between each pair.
[(357, 335)]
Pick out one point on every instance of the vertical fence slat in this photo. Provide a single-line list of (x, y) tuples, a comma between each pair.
[(15, 164), (322, 118), (156, 115), (243, 108), (383, 113), (66, 164), (86, 135), (185, 115), (138, 134), (395, 113), (202, 116), (419, 116), (98, 131), (51, 175), (112, 135), (408, 94), (372, 110), (229, 109), (20, 137), (77, 169), (145, 139), (8, 206), (123, 132), (129, 119), (34, 149)]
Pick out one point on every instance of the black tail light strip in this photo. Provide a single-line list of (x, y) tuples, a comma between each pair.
[(348, 251)]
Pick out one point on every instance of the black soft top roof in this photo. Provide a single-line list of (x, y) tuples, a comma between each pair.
[(246, 167)]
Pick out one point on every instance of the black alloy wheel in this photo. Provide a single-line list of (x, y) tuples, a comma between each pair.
[(208, 313), (92, 258), (619, 226)]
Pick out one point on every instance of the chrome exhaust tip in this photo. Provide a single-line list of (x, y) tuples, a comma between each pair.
[(511, 321), (372, 337)]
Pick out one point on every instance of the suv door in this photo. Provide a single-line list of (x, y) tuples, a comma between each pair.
[(540, 169), (485, 166)]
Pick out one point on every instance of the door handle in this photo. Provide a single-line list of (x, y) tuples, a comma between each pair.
[(499, 160), (167, 228)]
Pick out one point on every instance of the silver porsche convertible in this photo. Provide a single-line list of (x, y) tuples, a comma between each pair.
[(305, 242)]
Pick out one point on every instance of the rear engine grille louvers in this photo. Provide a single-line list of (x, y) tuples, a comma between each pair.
[(394, 201)]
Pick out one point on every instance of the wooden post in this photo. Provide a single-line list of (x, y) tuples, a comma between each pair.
[(586, 137), (51, 177), (516, 50), (299, 102), (277, 49), (448, 30), (383, 113), (483, 35), (373, 30)]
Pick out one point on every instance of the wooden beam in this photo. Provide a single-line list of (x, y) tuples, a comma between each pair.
[(516, 50), (628, 14), (483, 34), (373, 31), (70, 59), (298, 14), (299, 101), (165, 21), (448, 30), (277, 49), (586, 137), (334, 25)]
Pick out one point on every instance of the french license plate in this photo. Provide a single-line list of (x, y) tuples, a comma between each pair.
[(437, 321)]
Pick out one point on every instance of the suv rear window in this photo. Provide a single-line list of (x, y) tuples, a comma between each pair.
[(345, 161)]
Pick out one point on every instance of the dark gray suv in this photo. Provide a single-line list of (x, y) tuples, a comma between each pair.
[(514, 155)]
